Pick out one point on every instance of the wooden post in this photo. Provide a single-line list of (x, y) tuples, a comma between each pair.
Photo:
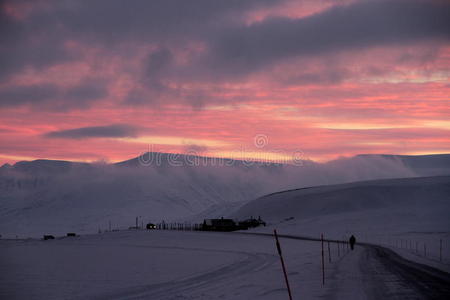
[(440, 250), (339, 251), (417, 247), (109, 226), (323, 262), (282, 263), (329, 252), (425, 250)]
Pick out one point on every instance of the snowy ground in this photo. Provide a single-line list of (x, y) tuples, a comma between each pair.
[(199, 265), (156, 265), (397, 214)]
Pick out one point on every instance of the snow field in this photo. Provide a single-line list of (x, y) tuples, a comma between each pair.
[(159, 265)]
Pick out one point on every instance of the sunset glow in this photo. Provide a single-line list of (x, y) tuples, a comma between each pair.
[(207, 79)]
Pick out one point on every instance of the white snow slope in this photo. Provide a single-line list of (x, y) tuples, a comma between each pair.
[(57, 197), (408, 214)]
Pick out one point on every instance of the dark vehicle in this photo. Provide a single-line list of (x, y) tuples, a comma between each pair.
[(219, 225), (71, 234), (48, 237), (151, 226), (352, 241), (251, 223)]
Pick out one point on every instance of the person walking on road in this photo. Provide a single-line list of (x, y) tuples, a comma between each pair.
[(352, 241)]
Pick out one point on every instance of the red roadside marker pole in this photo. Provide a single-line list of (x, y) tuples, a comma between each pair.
[(323, 262), (282, 263)]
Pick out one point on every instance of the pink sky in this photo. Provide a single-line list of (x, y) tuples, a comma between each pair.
[(321, 78)]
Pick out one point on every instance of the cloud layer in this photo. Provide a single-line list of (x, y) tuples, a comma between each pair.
[(328, 77), (111, 131)]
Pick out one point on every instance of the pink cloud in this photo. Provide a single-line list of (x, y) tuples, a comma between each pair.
[(378, 97)]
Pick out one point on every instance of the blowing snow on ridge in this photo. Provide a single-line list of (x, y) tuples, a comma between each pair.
[(59, 196)]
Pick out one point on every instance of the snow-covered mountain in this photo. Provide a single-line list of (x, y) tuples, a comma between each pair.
[(379, 208), (59, 196)]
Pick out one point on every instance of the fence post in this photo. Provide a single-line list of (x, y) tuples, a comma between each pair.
[(329, 252), (282, 263), (339, 251), (440, 250), (425, 250), (323, 262)]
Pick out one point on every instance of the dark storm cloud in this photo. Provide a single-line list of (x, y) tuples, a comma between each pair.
[(28, 43), (86, 91), (157, 65), (38, 40), (118, 20), (158, 61), (111, 131), (365, 24), (19, 95), (81, 95), (233, 48)]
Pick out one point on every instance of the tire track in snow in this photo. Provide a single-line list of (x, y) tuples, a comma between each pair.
[(251, 262)]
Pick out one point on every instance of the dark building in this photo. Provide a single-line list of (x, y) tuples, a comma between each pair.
[(219, 225), (251, 223)]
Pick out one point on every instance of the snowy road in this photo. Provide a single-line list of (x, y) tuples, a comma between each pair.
[(375, 272), (407, 280)]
